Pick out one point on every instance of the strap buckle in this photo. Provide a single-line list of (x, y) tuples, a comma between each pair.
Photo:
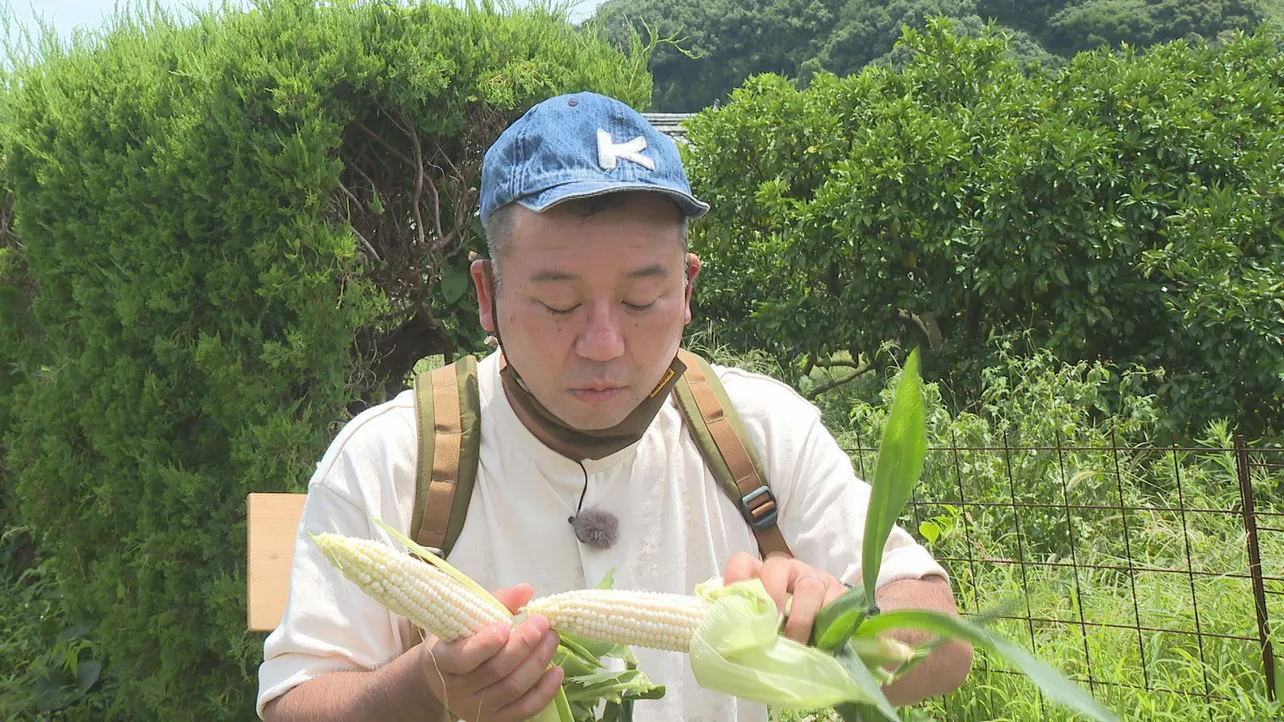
[(768, 517)]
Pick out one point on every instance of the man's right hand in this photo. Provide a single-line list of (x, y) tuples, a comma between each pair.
[(497, 674)]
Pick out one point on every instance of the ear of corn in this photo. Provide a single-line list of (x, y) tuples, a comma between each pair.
[(431, 599), (630, 618), (730, 632)]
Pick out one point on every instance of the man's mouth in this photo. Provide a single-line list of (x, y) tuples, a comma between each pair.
[(598, 393)]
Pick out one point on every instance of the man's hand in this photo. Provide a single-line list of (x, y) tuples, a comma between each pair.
[(781, 575), (497, 674), (940, 673)]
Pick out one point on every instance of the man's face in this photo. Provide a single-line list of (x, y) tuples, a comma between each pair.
[(591, 310)]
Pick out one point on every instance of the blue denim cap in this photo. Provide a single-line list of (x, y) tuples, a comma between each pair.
[(577, 146)]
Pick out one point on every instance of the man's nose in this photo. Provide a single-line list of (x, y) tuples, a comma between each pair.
[(602, 338)]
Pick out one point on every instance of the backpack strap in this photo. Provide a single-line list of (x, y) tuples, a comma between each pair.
[(446, 401), (724, 443)]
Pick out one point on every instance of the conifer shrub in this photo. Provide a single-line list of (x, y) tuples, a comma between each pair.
[(227, 235)]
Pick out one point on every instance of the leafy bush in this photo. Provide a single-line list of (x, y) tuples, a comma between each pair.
[(224, 241), (52, 666), (1124, 209)]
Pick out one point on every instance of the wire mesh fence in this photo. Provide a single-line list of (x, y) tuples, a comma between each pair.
[(1154, 576)]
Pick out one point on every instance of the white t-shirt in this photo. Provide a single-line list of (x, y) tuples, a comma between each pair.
[(677, 527)]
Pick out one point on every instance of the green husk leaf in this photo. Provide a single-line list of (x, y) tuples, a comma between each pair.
[(837, 621), (1055, 685), (880, 651), (900, 462), (738, 650), (574, 660), (608, 580), (615, 686), (856, 668), (559, 710)]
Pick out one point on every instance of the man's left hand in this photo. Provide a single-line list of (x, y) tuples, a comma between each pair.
[(781, 575), (942, 672)]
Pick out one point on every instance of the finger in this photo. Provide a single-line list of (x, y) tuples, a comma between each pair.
[(740, 567), (462, 656), (810, 591), (836, 590), (777, 576), (535, 699), (515, 597), (525, 675), (526, 639)]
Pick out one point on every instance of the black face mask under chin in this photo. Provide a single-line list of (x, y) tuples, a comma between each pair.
[(579, 443)]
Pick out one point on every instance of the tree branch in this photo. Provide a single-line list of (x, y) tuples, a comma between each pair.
[(366, 244), (839, 363), (835, 383), (410, 130), (385, 144), (925, 324)]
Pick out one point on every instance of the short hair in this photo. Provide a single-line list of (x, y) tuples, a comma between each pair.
[(500, 226)]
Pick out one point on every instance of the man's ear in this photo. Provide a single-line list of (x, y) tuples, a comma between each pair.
[(481, 270), (693, 270)]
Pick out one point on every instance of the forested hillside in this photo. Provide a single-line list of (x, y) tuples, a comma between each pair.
[(717, 44)]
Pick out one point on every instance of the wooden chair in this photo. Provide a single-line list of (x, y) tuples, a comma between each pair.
[(273, 519)]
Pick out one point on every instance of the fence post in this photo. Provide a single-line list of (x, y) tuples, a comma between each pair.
[(1255, 563)]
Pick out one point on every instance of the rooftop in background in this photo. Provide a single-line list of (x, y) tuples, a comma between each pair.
[(670, 124)]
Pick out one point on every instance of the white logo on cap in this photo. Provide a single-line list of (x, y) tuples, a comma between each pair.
[(609, 152)]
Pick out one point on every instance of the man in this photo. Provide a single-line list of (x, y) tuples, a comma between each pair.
[(587, 289)]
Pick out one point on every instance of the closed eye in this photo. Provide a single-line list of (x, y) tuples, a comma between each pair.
[(559, 311)]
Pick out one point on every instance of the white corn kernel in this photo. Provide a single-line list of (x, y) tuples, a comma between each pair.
[(634, 618), (431, 599)]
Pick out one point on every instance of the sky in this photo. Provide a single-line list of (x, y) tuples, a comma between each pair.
[(66, 15)]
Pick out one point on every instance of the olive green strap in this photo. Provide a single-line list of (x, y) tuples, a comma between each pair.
[(725, 445), (447, 413)]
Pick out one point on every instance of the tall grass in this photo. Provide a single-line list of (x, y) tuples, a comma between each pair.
[(1056, 499)]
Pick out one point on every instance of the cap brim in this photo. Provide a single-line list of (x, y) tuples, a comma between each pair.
[(542, 201)]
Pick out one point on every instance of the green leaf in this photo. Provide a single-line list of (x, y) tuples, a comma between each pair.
[(86, 675), (837, 621), (613, 686), (930, 530), (850, 712), (1055, 685), (860, 674), (454, 282), (900, 461)]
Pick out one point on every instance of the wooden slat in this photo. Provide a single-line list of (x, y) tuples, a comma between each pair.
[(273, 520)]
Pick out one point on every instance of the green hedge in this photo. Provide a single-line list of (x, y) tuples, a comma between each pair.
[(186, 206), (1127, 208)]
